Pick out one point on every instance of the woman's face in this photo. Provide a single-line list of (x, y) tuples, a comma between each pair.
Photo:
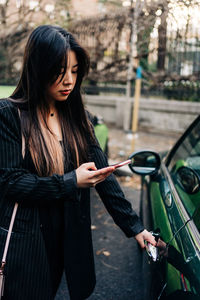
[(60, 90)]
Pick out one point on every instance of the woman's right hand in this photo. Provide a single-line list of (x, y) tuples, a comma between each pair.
[(88, 176)]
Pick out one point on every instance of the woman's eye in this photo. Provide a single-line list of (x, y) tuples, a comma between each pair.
[(74, 71)]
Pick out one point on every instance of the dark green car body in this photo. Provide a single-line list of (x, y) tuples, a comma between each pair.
[(101, 133), (171, 203)]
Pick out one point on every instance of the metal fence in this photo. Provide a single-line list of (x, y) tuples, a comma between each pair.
[(107, 39)]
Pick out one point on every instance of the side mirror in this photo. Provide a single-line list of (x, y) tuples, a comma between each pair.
[(188, 179), (144, 162)]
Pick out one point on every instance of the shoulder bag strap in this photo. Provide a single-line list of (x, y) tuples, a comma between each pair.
[(9, 235), (3, 262)]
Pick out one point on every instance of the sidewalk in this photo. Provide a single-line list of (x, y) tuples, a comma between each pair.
[(122, 144)]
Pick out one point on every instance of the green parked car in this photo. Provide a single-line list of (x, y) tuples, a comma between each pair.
[(101, 132), (170, 206)]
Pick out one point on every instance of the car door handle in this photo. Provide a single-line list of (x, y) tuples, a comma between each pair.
[(168, 199)]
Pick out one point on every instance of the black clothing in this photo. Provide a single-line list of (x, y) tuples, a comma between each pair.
[(52, 227)]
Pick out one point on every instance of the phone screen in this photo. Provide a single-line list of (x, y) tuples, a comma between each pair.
[(123, 163)]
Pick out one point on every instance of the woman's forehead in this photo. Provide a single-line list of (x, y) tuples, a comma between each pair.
[(71, 58)]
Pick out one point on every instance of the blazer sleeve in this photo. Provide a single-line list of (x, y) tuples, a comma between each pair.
[(113, 198), (20, 183)]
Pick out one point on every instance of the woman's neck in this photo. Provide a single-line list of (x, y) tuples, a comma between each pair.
[(52, 110)]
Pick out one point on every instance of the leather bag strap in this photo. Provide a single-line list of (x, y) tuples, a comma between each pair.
[(9, 235), (3, 262)]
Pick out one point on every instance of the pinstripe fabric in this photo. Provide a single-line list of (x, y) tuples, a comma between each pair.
[(114, 200), (29, 270)]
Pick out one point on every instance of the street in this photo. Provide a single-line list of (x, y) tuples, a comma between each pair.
[(117, 258)]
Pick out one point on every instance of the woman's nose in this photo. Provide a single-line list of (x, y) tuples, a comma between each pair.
[(68, 78)]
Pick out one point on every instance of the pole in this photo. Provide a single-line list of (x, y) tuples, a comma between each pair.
[(132, 52), (136, 107), (136, 99)]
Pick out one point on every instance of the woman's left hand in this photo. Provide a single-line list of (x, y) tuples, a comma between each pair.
[(145, 236)]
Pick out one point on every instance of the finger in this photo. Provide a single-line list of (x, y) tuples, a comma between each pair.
[(102, 177), (141, 243), (99, 173), (100, 180), (140, 240), (105, 171), (147, 236), (151, 239), (90, 166)]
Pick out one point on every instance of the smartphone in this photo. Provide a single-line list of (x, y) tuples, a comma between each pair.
[(123, 163)]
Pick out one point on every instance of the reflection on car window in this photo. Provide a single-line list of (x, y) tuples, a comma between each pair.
[(184, 167)]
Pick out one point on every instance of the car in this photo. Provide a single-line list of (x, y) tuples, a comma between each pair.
[(101, 132), (170, 207)]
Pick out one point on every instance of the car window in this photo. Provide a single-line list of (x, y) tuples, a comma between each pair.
[(184, 167)]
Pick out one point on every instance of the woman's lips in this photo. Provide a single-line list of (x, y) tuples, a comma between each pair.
[(65, 92)]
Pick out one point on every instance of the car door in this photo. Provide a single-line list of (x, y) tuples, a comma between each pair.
[(174, 201), (182, 172)]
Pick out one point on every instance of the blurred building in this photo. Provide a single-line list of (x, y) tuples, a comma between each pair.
[(86, 8)]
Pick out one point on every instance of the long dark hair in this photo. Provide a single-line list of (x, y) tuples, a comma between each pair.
[(45, 53)]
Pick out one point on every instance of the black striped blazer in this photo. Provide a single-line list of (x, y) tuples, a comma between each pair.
[(30, 275)]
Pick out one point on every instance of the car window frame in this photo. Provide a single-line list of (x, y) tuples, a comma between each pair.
[(171, 153), (167, 160)]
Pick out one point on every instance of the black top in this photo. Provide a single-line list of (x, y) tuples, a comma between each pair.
[(53, 218)]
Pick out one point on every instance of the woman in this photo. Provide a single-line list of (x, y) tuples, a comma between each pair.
[(51, 179)]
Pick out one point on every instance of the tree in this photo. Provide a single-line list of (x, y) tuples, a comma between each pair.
[(17, 20), (162, 37), (107, 36)]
